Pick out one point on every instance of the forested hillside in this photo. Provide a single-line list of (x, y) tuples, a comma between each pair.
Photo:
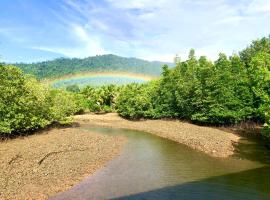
[(105, 63)]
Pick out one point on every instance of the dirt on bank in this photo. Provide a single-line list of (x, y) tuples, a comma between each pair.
[(41, 165), (44, 164), (212, 141)]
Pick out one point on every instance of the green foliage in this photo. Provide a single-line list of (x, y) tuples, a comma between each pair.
[(260, 81), (134, 101), (228, 91), (106, 63), (22, 101), (260, 77), (26, 104), (101, 99), (257, 46), (73, 88), (63, 104), (223, 95), (257, 60)]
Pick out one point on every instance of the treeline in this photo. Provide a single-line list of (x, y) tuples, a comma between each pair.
[(227, 91), (100, 99), (26, 104), (105, 63)]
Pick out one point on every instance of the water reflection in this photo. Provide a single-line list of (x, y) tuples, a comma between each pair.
[(154, 168), (250, 184), (252, 149)]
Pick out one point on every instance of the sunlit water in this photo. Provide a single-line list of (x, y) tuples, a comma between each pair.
[(150, 167), (97, 81)]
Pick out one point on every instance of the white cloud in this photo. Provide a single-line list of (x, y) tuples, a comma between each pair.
[(91, 44), (259, 6), (158, 29), (137, 4), (234, 20), (80, 33), (87, 45), (95, 23), (161, 57)]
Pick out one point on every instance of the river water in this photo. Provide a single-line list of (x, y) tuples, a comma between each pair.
[(151, 167)]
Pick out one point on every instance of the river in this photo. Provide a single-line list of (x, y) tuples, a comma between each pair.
[(151, 167)]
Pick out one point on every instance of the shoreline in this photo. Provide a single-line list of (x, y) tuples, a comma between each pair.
[(52, 161), (210, 140)]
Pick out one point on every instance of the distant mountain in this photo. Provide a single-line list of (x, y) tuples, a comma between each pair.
[(105, 63)]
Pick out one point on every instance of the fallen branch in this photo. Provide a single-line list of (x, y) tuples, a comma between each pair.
[(58, 152), (14, 158)]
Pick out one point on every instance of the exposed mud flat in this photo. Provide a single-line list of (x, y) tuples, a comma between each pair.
[(41, 165), (215, 142)]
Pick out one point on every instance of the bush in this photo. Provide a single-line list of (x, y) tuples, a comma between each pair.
[(101, 99), (134, 101), (63, 104), (26, 104), (228, 91), (23, 102), (73, 88)]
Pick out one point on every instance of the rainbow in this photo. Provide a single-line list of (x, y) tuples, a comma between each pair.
[(130, 77)]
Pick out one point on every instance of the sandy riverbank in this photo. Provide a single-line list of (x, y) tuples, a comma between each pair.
[(41, 165), (212, 141), (44, 164)]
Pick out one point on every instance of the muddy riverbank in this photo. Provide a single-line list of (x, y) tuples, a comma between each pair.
[(215, 142), (44, 164), (41, 165)]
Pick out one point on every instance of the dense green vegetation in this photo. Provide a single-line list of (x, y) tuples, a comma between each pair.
[(228, 91), (105, 63), (26, 104), (100, 99)]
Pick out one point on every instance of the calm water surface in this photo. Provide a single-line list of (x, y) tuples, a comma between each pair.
[(154, 168)]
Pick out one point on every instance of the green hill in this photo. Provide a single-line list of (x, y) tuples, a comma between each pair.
[(105, 63)]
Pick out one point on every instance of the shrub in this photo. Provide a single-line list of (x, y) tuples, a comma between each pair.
[(101, 99), (23, 104), (134, 101), (26, 104)]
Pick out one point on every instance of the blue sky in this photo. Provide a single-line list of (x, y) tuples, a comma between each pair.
[(37, 30)]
